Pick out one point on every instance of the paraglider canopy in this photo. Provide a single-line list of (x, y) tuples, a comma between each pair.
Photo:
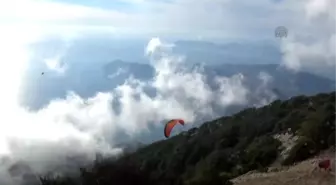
[(281, 31), (170, 125)]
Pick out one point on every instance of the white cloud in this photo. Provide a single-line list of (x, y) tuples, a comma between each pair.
[(264, 90), (182, 18), (119, 72), (155, 46), (265, 78), (56, 64), (311, 43), (315, 8), (50, 17), (43, 11), (76, 126)]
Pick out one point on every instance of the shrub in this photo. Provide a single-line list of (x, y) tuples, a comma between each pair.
[(262, 151), (331, 139), (303, 149)]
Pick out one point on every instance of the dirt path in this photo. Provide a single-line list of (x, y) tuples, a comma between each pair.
[(300, 174)]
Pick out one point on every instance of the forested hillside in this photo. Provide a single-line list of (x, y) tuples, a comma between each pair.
[(224, 148)]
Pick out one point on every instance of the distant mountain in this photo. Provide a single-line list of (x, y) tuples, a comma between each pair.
[(281, 81), (86, 56), (122, 70), (87, 80), (235, 52), (282, 84)]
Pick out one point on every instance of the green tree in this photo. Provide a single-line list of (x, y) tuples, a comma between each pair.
[(331, 139), (204, 174), (219, 160), (261, 152), (303, 149)]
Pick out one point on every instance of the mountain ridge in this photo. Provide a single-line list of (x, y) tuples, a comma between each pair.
[(232, 144), (299, 82)]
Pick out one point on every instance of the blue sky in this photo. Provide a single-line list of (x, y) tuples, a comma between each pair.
[(202, 18), (118, 5), (307, 21), (181, 19)]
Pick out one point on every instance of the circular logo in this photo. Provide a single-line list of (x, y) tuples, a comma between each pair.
[(281, 31)]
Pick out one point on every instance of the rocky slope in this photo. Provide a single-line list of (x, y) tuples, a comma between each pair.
[(303, 173)]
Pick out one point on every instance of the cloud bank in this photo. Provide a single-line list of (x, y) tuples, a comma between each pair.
[(311, 44), (78, 127)]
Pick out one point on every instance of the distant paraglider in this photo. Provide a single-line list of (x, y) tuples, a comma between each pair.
[(281, 31), (170, 125)]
